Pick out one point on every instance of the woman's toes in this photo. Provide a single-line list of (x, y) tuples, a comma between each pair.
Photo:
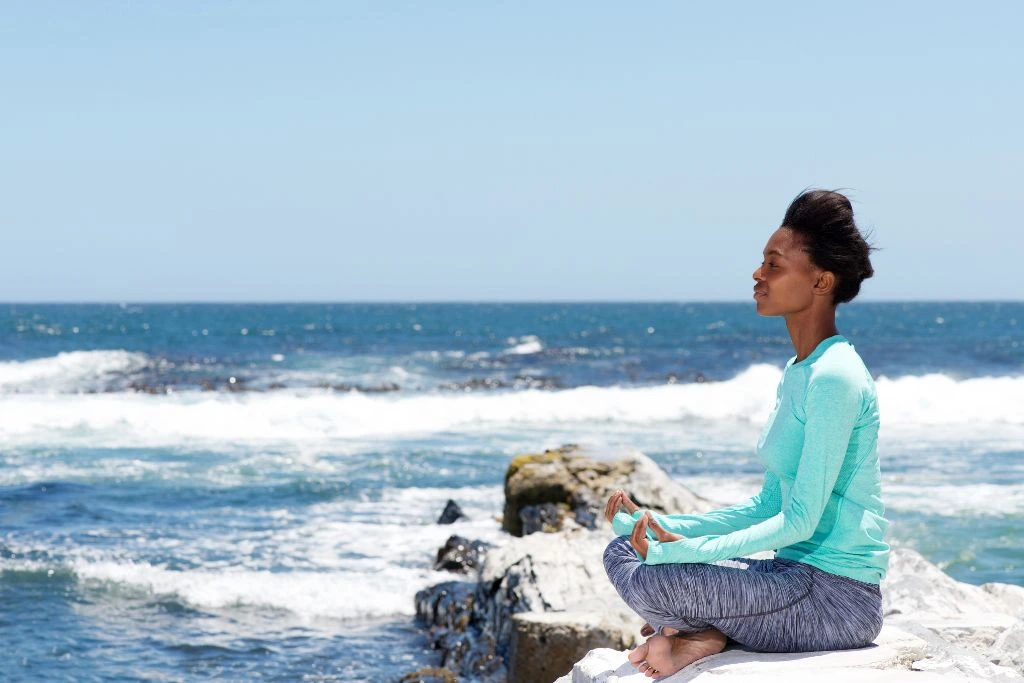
[(638, 655)]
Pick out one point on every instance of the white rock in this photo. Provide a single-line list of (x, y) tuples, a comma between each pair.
[(1010, 597), (890, 659)]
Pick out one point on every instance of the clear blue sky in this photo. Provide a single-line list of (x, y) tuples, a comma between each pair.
[(373, 151)]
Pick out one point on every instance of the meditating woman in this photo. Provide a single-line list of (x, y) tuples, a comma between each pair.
[(820, 507)]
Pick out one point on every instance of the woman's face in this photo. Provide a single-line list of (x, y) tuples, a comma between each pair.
[(785, 280)]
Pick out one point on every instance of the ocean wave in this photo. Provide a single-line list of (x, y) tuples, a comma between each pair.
[(311, 415), (912, 408), (955, 500), (69, 371), (343, 560), (525, 345)]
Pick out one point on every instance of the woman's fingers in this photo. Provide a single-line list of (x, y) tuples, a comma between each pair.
[(612, 507), (639, 537), (628, 503), (635, 535)]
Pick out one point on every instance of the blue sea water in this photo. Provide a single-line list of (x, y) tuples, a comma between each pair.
[(248, 492)]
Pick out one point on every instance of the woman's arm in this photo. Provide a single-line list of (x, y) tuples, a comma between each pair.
[(832, 407), (762, 505)]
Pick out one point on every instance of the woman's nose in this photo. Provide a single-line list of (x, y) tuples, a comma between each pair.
[(757, 273)]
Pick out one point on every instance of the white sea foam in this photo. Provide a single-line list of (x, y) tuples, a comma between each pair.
[(525, 345), (937, 399), (187, 417), (915, 410), (341, 560), (723, 491), (306, 593), (67, 371), (955, 500)]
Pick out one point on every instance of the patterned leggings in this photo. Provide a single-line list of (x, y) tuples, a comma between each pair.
[(766, 605)]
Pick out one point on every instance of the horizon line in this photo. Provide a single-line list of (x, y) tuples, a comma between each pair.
[(402, 302)]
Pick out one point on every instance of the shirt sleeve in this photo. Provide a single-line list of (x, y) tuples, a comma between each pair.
[(764, 504), (832, 405)]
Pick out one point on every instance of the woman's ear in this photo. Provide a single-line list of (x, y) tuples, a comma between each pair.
[(826, 282)]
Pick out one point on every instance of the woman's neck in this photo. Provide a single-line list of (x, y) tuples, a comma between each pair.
[(810, 331)]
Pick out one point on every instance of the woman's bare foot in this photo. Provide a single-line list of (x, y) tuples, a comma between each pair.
[(665, 655)]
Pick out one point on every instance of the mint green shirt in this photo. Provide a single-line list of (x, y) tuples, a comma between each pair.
[(821, 500)]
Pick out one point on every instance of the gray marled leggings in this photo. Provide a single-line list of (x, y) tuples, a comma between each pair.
[(766, 605)]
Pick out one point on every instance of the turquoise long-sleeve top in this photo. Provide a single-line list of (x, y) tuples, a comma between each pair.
[(821, 500)]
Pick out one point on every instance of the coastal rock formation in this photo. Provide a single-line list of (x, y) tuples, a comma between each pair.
[(540, 606), (473, 624), (459, 555), (451, 513), (575, 483)]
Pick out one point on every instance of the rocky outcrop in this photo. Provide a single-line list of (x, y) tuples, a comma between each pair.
[(451, 513), (547, 644), (459, 555), (475, 624), (540, 607), (571, 484)]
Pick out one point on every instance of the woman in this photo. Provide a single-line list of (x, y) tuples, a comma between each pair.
[(820, 507)]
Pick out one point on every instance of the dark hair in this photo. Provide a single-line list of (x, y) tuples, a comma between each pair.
[(824, 219)]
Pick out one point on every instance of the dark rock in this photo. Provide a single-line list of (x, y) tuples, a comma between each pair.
[(585, 517), (460, 555), (545, 517), (430, 674), (380, 388), (450, 612), (472, 622), (452, 512), (586, 507), (579, 486), (476, 383), (537, 382)]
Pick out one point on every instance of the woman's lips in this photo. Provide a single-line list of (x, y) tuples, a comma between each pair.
[(758, 293)]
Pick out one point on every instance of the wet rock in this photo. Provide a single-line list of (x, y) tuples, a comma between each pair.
[(476, 383), (430, 674), (380, 388), (545, 517), (459, 555), (450, 612), (537, 382), (451, 512)]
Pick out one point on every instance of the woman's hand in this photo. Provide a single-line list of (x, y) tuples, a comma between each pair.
[(638, 539), (619, 499)]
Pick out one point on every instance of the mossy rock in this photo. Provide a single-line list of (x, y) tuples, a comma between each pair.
[(430, 674), (566, 477)]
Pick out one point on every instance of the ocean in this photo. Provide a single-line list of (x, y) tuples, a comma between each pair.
[(248, 492)]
